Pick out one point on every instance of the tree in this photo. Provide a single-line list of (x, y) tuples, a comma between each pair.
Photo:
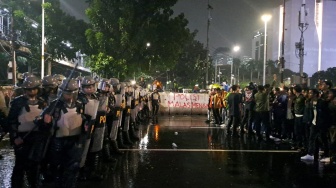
[(236, 66), (190, 69), (60, 29), (121, 29), (251, 65), (243, 70), (329, 74), (271, 68), (259, 66)]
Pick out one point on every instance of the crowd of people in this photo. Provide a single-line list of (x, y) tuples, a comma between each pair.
[(303, 117), (63, 129)]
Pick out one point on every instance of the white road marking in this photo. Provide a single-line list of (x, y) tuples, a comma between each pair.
[(216, 150), (207, 127)]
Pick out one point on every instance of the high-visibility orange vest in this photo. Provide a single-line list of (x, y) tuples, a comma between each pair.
[(218, 101), (211, 100)]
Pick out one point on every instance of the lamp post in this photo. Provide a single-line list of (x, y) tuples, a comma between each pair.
[(148, 44), (265, 18), (216, 70), (235, 49), (42, 45)]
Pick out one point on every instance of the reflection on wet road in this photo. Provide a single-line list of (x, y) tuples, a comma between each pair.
[(184, 151)]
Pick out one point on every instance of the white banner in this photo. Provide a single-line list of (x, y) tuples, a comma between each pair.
[(185, 103)]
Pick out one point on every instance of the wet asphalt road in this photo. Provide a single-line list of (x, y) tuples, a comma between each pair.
[(204, 157)]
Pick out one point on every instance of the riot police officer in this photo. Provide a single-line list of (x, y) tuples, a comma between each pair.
[(155, 103), (23, 131), (121, 104), (114, 117), (65, 120), (88, 95), (134, 110), (98, 135), (49, 88), (127, 115)]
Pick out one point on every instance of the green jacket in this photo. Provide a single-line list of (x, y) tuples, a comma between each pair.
[(332, 108), (261, 100), (299, 104)]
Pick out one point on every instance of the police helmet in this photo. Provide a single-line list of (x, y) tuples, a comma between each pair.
[(49, 81), (87, 80), (70, 88), (103, 83), (59, 78), (69, 85), (26, 74), (114, 81), (31, 82)]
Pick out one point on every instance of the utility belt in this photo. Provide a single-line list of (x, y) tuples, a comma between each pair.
[(32, 135), (73, 137)]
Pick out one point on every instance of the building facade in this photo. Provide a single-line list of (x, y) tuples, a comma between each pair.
[(319, 40)]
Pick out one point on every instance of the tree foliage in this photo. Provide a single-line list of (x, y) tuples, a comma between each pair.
[(190, 69), (329, 74), (59, 29), (121, 29)]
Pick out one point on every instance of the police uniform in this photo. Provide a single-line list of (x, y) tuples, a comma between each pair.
[(67, 131), (23, 111), (91, 104), (127, 116), (113, 118), (98, 135)]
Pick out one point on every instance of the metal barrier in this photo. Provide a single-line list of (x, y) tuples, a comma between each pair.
[(183, 103)]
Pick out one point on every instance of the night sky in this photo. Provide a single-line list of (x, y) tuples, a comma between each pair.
[(233, 21)]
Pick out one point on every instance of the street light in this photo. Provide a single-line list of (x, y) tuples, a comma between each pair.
[(265, 18), (235, 49), (43, 43)]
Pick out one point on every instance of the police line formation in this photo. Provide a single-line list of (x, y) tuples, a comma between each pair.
[(62, 129)]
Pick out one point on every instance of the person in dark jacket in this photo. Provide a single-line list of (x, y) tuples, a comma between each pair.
[(155, 102), (332, 130), (279, 112), (249, 105), (234, 103), (299, 104), (308, 114), (262, 113), (319, 128)]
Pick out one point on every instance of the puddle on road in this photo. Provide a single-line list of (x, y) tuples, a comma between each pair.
[(6, 166)]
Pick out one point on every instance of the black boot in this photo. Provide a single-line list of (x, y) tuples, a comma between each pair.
[(107, 153), (127, 139), (82, 176), (136, 125), (120, 140), (115, 148), (95, 171), (132, 133)]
